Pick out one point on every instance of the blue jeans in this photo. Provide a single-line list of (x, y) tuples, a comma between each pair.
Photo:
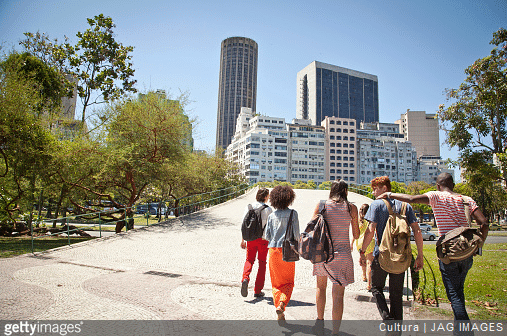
[(453, 277)]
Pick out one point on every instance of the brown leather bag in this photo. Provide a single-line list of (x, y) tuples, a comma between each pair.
[(459, 243)]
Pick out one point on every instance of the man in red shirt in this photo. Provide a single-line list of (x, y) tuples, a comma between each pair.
[(449, 212)]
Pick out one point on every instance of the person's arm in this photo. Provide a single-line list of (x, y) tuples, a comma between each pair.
[(423, 199), (368, 236), (295, 225), (243, 244), (354, 221), (267, 231), (316, 211), (482, 221), (419, 261)]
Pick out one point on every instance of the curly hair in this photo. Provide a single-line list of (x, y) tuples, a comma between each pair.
[(262, 193), (282, 196), (380, 181)]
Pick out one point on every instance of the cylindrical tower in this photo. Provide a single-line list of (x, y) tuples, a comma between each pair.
[(237, 84)]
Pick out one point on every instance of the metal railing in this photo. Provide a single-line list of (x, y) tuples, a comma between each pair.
[(360, 191), (186, 205)]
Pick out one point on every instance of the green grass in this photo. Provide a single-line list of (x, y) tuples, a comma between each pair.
[(13, 246), (485, 286)]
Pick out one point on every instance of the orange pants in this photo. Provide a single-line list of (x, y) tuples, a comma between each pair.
[(282, 276)]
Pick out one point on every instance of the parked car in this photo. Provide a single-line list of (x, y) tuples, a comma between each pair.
[(427, 235), (425, 227), (151, 208)]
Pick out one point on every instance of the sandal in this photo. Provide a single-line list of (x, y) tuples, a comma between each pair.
[(280, 309)]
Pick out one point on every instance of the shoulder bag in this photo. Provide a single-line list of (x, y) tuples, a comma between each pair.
[(290, 244), (459, 243)]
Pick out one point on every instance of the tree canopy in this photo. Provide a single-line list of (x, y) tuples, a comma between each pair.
[(101, 65), (475, 122)]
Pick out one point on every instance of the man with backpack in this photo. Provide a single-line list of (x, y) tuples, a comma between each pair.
[(378, 215), (450, 210), (252, 229)]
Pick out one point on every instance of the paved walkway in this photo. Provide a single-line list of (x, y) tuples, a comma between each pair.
[(188, 268)]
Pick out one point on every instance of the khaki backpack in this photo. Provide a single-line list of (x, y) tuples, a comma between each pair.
[(395, 250)]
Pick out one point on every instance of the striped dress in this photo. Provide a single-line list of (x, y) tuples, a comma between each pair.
[(341, 267)]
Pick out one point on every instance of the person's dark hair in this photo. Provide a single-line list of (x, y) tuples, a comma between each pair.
[(338, 192), (364, 209), (262, 193), (282, 196), (445, 180)]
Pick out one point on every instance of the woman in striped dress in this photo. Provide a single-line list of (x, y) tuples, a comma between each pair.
[(339, 214)]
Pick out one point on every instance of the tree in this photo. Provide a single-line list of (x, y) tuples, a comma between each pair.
[(140, 137), (48, 81), (97, 60), (478, 114), (326, 185), (26, 146), (196, 174), (490, 196)]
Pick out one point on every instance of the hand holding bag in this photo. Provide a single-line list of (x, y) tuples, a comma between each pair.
[(289, 246)]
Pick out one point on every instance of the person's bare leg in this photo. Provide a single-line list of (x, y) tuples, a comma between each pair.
[(321, 296), (338, 293)]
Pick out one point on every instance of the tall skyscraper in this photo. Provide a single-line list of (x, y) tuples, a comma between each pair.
[(326, 90), (237, 84)]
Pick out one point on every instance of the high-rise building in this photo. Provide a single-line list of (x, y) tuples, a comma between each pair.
[(237, 84), (382, 151), (267, 149), (422, 131), (341, 151), (326, 90), (307, 157)]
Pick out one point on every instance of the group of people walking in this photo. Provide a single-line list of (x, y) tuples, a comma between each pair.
[(366, 224)]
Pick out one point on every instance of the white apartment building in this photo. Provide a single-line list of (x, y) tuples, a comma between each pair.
[(267, 149), (306, 151), (382, 151), (429, 167), (259, 147), (341, 152)]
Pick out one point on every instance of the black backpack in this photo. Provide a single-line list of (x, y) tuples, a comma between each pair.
[(252, 229)]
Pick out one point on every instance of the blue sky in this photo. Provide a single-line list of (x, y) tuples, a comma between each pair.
[(416, 48)]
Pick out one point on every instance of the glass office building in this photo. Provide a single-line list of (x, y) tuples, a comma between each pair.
[(237, 84), (326, 90)]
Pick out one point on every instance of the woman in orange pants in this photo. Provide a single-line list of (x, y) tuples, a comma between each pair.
[(281, 272)]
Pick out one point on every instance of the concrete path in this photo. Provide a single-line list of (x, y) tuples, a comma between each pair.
[(188, 268)]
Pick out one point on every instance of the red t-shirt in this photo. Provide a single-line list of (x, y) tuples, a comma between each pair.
[(449, 210)]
